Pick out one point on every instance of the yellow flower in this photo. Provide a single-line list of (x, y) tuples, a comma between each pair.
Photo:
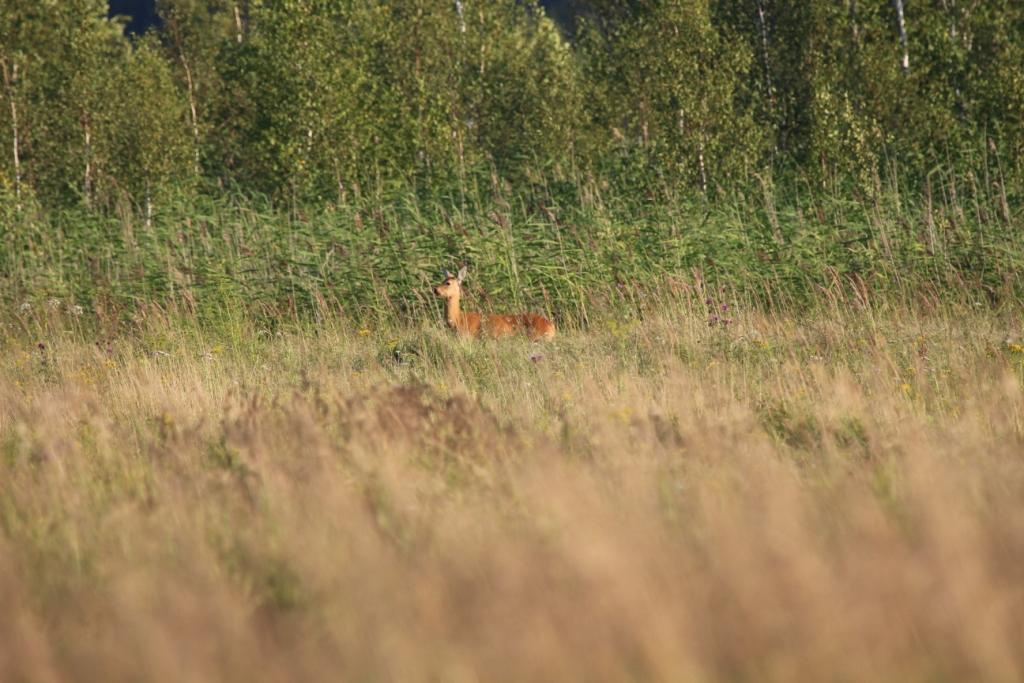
[(905, 387), (364, 332)]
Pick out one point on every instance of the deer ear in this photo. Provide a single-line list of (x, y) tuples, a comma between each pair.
[(448, 273), (462, 273)]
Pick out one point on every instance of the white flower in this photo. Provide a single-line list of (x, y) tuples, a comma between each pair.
[(25, 307), (77, 310), (53, 302)]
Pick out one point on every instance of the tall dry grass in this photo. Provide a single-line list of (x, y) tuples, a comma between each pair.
[(828, 497)]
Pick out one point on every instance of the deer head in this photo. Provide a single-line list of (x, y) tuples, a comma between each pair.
[(452, 286)]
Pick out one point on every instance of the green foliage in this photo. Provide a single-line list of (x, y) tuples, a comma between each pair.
[(330, 98), (377, 259), (99, 120), (194, 34), (668, 94), (868, 107), (305, 155), (315, 101), (522, 96)]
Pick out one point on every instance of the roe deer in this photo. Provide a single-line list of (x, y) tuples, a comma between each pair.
[(474, 324)]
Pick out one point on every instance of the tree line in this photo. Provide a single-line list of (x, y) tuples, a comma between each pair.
[(317, 101)]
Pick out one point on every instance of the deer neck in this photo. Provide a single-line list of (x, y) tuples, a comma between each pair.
[(452, 311)]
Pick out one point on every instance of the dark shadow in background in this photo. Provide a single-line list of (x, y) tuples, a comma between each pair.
[(141, 14)]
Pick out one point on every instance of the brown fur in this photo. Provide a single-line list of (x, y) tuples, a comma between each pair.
[(471, 324)]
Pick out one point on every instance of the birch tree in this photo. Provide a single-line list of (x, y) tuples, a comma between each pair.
[(671, 94), (193, 33), (901, 23), (22, 29)]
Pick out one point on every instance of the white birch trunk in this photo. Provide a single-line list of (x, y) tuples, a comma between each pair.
[(701, 164), (462, 17), (193, 112), (87, 177), (769, 88), (238, 23), (854, 28), (703, 169), (905, 62), (10, 80), (954, 32)]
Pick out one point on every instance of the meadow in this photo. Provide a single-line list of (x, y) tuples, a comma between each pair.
[(778, 436), (698, 488)]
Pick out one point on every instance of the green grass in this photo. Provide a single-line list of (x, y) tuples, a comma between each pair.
[(777, 437), (571, 255)]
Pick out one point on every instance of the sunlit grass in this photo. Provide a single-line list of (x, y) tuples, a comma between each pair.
[(830, 494)]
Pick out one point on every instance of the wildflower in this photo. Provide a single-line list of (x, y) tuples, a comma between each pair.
[(364, 332), (53, 303), (77, 310), (905, 387), (25, 307)]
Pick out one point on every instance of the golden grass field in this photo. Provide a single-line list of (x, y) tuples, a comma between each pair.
[(832, 496)]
